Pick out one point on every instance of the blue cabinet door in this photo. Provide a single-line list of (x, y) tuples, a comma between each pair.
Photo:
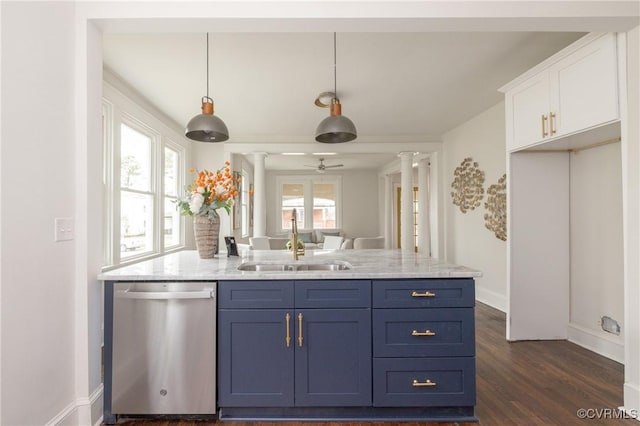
[(333, 358), (255, 360)]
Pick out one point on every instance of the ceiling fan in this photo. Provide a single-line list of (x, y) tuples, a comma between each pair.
[(320, 168)]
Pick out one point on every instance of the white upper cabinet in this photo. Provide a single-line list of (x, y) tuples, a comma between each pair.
[(572, 91)]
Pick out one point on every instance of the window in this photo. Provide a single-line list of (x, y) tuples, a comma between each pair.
[(292, 198), (324, 205), (143, 173), (137, 199), (244, 203), (317, 203), (415, 212), (171, 194)]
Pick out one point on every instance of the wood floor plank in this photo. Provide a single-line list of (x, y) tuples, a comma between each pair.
[(520, 383)]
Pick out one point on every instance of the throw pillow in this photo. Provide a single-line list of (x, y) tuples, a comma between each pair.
[(330, 233), (305, 237)]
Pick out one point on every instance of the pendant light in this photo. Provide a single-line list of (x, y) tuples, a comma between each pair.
[(206, 127), (336, 128)]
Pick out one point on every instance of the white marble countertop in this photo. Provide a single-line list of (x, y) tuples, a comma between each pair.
[(187, 265)]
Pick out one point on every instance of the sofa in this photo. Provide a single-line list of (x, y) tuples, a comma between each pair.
[(312, 239), (368, 243)]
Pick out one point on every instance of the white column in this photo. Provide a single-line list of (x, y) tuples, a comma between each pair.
[(424, 231), (388, 209), (259, 197), (406, 201), (436, 214)]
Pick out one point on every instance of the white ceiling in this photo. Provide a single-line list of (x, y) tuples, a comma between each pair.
[(395, 87)]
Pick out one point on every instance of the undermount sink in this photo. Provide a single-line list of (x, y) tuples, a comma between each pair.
[(294, 267)]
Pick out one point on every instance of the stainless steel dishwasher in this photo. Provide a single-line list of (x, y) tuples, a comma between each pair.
[(164, 337)]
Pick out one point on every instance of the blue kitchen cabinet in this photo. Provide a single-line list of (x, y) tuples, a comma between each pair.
[(424, 343), (333, 362), (254, 360), (347, 350), (274, 352)]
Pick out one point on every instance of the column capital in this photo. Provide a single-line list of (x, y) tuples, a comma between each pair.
[(406, 154), (260, 154)]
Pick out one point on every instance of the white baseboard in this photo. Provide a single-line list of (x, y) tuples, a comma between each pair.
[(491, 298), (83, 411), (602, 345), (632, 400)]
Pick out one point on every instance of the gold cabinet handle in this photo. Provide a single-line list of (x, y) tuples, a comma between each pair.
[(428, 383), (288, 337), (425, 294), (544, 126), (425, 333), (552, 126), (300, 329)]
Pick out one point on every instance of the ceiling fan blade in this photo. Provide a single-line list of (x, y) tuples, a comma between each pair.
[(335, 165)]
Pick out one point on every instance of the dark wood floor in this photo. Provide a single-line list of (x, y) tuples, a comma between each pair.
[(520, 383)]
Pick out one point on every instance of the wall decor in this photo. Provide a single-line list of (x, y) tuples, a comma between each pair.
[(467, 185), (496, 218)]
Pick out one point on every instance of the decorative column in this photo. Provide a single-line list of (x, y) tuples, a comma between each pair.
[(406, 201), (259, 197), (388, 212), (424, 230)]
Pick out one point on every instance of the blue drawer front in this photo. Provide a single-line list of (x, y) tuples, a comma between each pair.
[(423, 332), (255, 294), (452, 382), (333, 294), (423, 293)]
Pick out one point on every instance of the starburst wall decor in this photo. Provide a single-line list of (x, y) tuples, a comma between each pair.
[(467, 185), (496, 218)]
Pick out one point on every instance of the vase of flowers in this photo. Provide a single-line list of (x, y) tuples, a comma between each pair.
[(210, 191)]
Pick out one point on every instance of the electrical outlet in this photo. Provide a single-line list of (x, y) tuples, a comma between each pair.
[(610, 325), (63, 229)]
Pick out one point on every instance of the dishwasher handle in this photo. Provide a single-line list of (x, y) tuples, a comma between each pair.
[(165, 295)]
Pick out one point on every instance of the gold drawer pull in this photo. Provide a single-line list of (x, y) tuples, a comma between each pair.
[(300, 329), (288, 337), (426, 333), (417, 384), (544, 126), (425, 294), (552, 125)]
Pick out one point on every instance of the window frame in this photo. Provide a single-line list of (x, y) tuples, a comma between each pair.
[(307, 182), (180, 183), (245, 226), (155, 188), (119, 109)]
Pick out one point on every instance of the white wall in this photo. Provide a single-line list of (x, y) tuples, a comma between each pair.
[(38, 184), (631, 223), (359, 202), (597, 286), (467, 241)]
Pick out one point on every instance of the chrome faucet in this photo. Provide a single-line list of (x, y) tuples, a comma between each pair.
[(294, 236)]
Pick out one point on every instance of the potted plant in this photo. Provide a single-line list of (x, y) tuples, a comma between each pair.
[(210, 191)]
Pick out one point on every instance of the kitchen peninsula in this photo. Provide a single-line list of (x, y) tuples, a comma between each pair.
[(379, 335)]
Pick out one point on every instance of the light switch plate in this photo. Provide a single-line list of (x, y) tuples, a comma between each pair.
[(63, 228)]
